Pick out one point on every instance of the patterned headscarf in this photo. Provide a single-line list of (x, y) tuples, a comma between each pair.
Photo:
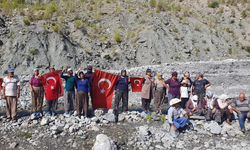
[(158, 78)]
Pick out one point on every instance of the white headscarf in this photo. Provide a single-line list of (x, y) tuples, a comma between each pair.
[(195, 104), (210, 99), (223, 98)]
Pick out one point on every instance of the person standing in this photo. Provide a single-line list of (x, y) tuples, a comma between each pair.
[(160, 92), (90, 77), (69, 92), (187, 77), (184, 92), (147, 91), (173, 87), (83, 93), (225, 108), (242, 108), (11, 92), (51, 104), (37, 93), (199, 87), (211, 107), (121, 92)]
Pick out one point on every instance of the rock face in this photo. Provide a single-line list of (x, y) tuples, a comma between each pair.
[(103, 142)]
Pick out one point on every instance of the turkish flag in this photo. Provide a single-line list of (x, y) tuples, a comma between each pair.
[(136, 84), (52, 84), (103, 88)]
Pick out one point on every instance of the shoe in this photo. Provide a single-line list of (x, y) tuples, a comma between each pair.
[(37, 114), (53, 113), (49, 113), (8, 119), (78, 116), (70, 113), (146, 112), (160, 113), (243, 130), (85, 116), (14, 120), (157, 112), (66, 113)]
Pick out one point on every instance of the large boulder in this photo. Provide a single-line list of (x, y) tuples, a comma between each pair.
[(215, 128), (110, 117), (103, 142)]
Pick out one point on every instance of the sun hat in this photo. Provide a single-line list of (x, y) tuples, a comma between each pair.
[(174, 101), (10, 70)]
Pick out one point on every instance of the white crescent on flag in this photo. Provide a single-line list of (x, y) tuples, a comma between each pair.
[(138, 81), (104, 80), (49, 78)]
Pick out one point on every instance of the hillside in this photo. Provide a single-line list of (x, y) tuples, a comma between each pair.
[(120, 33)]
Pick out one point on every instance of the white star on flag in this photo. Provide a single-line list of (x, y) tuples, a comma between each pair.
[(102, 91), (52, 87)]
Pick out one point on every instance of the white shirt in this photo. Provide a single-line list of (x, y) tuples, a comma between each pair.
[(184, 92), (11, 86)]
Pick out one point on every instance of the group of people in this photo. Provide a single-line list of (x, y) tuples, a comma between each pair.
[(185, 98)]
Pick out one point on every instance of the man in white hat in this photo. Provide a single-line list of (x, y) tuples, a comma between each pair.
[(11, 92), (174, 115), (69, 92)]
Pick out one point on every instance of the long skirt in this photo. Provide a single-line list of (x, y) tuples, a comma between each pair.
[(216, 116), (37, 99), (159, 99)]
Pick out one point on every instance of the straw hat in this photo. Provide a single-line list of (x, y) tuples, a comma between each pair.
[(174, 101)]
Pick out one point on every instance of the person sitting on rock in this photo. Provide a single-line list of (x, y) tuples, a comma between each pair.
[(11, 92), (83, 93), (37, 93), (175, 113), (69, 91), (225, 108), (211, 107), (121, 92), (242, 108), (147, 91), (193, 107)]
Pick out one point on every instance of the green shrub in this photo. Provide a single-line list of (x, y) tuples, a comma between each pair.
[(244, 14), (32, 51), (213, 4), (230, 51), (148, 117), (117, 36), (25, 135), (55, 28), (163, 118), (228, 29), (90, 8), (50, 10), (158, 11), (153, 3), (107, 1), (39, 7), (26, 22), (78, 24), (247, 48), (45, 26), (232, 21)]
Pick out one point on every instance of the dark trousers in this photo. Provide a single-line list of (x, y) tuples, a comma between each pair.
[(82, 103), (183, 102), (200, 97), (120, 94), (145, 103), (51, 105), (225, 113)]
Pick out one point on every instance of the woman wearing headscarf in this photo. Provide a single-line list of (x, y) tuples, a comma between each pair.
[(147, 90), (211, 106), (173, 87), (83, 93), (37, 93), (199, 87), (193, 107), (121, 92), (225, 107), (160, 92)]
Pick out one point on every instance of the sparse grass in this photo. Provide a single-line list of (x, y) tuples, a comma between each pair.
[(153, 3), (78, 24), (247, 48), (158, 11), (244, 14), (197, 26), (50, 10), (55, 28), (90, 8), (228, 29), (196, 51), (204, 41), (107, 1), (26, 22), (25, 135), (32, 51), (213, 4), (163, 118), (230, 51), (207, 49), (232, 21), (148, 117), (117, 36), (243, 33)]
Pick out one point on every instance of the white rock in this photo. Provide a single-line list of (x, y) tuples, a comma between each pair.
[(103, 142), (54, 128), (215, 128), (94, 128), (13, 145), (44, 121)]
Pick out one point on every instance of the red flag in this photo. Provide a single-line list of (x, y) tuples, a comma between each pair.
[(136, 84), (103, 88), (52, 85)]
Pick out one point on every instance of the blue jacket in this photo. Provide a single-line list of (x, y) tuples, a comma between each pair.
[(82, 85)]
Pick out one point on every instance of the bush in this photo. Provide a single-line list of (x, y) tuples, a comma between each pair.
[(213, 4), (228, 29), (26, 22), (153, 3), (55, 28), (39, 7), (90, 8), (148, 117), (244, 14), (158, 11), (232, 21), (107, 1), (117, 36), (78, 24), (247, 48), (50, 10), (161, 5), (45, 26)]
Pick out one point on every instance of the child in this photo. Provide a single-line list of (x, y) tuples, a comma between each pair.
[(184, 92)]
